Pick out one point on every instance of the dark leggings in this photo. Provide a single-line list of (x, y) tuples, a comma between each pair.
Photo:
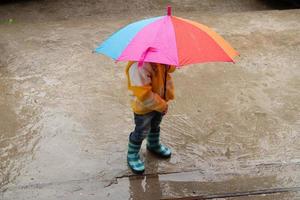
[(144, 124)]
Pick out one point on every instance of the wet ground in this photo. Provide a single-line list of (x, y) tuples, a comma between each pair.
[(64, 112)]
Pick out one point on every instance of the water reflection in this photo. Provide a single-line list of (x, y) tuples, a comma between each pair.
[(179, 185), (146, 187)]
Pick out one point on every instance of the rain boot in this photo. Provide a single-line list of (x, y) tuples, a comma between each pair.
[(154, 146), (133, 157)]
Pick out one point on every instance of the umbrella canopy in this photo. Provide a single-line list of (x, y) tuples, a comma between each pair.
[(168, 40)]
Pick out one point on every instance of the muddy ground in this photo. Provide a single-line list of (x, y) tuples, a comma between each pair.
[(65, 118)]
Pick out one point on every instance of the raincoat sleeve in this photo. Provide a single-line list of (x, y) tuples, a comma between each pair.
[(140, 81)]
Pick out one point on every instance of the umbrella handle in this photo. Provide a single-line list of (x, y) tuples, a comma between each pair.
[(144, 54), (165, 83)]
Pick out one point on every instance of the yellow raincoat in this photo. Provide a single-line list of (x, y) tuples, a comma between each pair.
[(146, 85)]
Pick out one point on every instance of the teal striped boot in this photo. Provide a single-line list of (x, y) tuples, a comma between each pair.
[(133, 158), (154, 146)]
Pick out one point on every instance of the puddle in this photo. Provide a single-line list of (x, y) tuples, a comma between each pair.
[(199, 184)]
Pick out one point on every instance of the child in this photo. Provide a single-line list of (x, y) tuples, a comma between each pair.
[(151, 87)]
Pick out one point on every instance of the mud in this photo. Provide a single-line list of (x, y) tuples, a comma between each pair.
[(65, 113)]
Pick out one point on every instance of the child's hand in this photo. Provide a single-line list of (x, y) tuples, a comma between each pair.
[(165, 111)]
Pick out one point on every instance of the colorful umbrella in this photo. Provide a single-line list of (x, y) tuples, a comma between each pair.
[(168, 40)]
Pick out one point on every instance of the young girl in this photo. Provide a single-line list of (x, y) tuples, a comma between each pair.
[(151, 88)]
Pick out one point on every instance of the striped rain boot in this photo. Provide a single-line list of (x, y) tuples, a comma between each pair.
[(154, 146), (133, 158)]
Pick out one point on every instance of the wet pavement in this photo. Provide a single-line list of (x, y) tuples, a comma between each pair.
[(64, 112)]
